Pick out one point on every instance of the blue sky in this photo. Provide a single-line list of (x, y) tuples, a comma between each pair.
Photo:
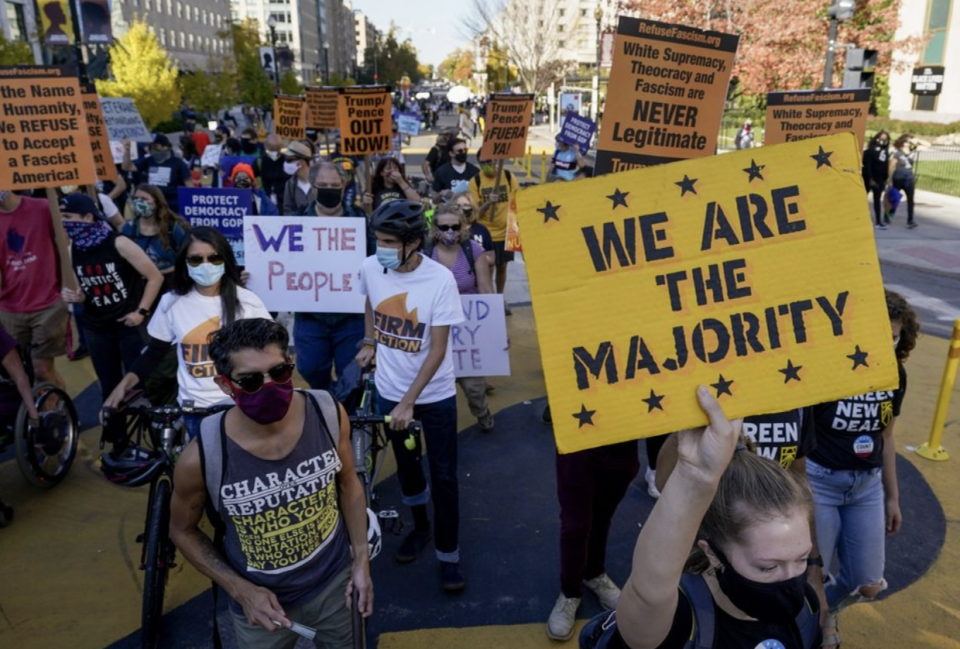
[(432, 25)]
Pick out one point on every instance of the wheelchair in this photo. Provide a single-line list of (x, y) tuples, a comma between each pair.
[(46, 451)]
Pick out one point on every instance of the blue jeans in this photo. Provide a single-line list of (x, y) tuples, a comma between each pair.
[(191, 426), (440, 434), (321, 342), (851, 529)]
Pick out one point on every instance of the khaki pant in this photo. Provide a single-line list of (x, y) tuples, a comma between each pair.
[(475, 390)]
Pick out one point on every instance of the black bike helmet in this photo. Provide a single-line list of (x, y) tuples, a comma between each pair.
[(402, 218), (132, 467)]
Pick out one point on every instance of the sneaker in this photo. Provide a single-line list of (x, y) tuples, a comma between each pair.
[(507, 310), (651, 477), (880, 226), (563, 618), (451, 579), (485, 422), (911, 225), (605, 590), (412, 546), (489, 387)]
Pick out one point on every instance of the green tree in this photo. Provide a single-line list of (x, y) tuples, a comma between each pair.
[(142, 71), (254, 83), (457, 67), (213, 89), (15, 52), (393, 58), (500, 74), (289, 84), (340, 82)]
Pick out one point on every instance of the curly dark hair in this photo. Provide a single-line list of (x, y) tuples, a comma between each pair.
[(249, 333), (901, 311)]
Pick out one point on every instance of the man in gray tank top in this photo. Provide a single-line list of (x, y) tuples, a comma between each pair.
[(278, 471)]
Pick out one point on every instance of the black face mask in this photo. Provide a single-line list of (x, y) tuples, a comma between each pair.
[(460, 157), (243, 184), (329, 197), (249, 147), (778, 601)]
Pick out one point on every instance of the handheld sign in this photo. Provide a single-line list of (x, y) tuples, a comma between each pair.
[(671, 86), (408, 124), (364, 117), (577, 131), (321, 107), (508, 120), (44, 140), (221, 209), (754, 273), (123, 120), (479, 344), (290, 117), (305, 263), (793, 116), (97, 130)]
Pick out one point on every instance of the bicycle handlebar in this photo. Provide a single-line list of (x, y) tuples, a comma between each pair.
[(361, 420), (169, 411)]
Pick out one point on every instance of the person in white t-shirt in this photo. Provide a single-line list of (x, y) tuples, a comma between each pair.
[(206, 292), (411, 303)]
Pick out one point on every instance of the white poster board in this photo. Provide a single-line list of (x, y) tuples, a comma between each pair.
[(306, 264), (479, 344), (123, 120)]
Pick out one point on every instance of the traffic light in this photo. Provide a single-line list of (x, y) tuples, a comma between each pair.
[(842, 10), (860, 68)]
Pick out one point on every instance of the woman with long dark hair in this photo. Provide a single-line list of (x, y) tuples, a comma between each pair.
[(207, 292), (902, 159), (156, 228), (389, 184)]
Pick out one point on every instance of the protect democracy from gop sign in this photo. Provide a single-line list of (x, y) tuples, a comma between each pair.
[(754, 273), (306, 264), (221, 209)]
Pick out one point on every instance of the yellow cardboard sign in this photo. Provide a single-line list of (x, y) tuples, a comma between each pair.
[(754, 273)]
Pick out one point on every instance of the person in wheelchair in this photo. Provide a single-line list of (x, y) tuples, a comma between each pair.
[(15, 387)]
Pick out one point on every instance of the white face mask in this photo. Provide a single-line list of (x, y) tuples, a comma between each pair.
[(206, 274), (290, 168), (273, 155)]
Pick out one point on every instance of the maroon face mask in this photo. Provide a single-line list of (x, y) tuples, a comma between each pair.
[(267, 405)]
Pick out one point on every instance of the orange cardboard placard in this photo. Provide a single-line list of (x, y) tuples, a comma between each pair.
[(322, 107), (44, 140), (668, 85), (290, 117), (364, 114), (507, 124), (793, 116), (99, 138)]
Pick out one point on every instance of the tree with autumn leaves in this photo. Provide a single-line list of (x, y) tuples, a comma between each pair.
[(783, 42)]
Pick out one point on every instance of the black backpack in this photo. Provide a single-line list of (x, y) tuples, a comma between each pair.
[(599, 632), (467, 250)]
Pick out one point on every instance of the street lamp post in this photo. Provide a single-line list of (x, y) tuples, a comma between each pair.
[(839, 12), (326, 61), (598, 14), (595, 103), (272, 24)]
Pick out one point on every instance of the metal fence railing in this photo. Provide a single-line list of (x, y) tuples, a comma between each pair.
[(938, 170)]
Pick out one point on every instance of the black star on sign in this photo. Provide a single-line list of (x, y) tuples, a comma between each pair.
[(822, 157), (619, 198), (791, 372), (686, 185), (584, 416), (722, 387), (549, 211), (859, 358), (754, 170), (653, 401)]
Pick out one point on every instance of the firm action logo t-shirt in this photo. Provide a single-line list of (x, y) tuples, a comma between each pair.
[(850, 431)]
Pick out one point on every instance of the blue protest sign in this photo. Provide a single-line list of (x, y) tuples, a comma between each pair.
[(222, 209), (577, 131), (408, 123)]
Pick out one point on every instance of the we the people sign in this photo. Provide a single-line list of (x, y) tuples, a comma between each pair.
[(754, 273), (671, 85), (306, 264)]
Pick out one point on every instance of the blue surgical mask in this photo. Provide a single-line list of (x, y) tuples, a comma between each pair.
[(388, 258), (206, 274), (160, 156)]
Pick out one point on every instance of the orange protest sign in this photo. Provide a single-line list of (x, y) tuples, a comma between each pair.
[(671, 85), (290, 117), (43, 132), (364, 114), (99, 138), (793, 116), (322, 107), (508, 120)]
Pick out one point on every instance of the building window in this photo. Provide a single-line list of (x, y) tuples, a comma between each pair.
[(938, 18), (179, 9), (17, 21), (163, 38), (183, 41)]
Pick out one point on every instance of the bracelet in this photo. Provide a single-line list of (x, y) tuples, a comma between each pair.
[(368, 340), (370, 345)]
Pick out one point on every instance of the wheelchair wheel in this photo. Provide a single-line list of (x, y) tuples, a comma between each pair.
[(45, 453)]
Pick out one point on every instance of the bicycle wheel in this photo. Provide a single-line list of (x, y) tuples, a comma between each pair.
[(156, 564), (45, 454)]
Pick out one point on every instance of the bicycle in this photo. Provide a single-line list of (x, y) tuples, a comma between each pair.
[(157, 435)]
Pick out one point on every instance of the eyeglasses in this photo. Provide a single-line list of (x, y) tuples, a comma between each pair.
[(443, 228), (251, 383), (196, 260)]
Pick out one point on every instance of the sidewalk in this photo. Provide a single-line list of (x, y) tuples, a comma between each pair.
[(933, 246)]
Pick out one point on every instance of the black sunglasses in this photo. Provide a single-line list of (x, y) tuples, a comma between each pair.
[(251, 383), (443, 228), (196, 260)]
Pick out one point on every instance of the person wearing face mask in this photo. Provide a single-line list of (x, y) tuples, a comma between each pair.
[(493, 213), (270, 171), (207, 293), (158, 230), (117, 286), (298, 193), (389, 184), (438, 155), (876, 172), (454, 175), (745, 584), (465, 202), (243, 178), (328, 341), (309, 572), (412, 301), (351, 167), (249, 144), (566, 160), (199, 136), (161, 168)]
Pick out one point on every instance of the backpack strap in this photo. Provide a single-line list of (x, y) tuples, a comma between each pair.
[(328, 412), (808, 623), (698, 594), (212, 445), (468, 252)]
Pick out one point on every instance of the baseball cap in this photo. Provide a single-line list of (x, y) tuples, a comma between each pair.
[(161, 139), (297, 149), (81, 204)]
